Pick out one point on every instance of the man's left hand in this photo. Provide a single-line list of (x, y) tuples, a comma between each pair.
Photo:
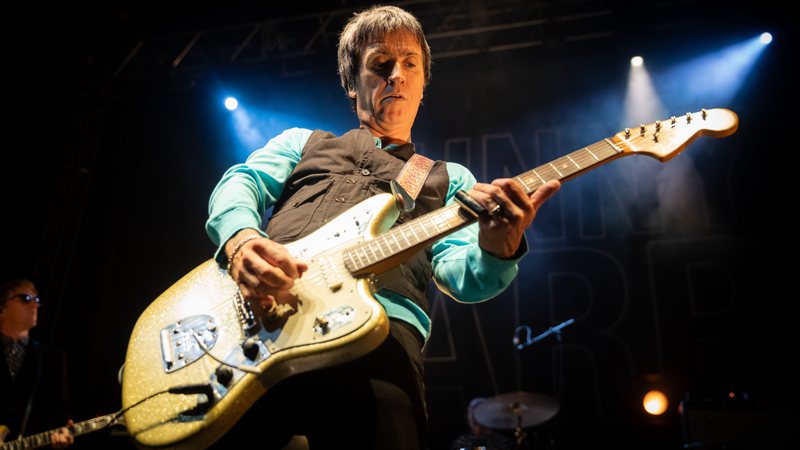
[(62, 437), (501, 232)]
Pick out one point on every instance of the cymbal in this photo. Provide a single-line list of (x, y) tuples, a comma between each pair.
[(523, 409)]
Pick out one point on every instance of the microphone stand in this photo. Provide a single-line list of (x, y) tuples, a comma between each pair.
[(552, 330)]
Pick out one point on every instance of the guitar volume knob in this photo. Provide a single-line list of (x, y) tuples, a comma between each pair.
[(250, 349), (224, 375)]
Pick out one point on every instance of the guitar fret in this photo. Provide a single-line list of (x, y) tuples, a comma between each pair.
[(349, 263), (403, 233), (380, 247), (374, 255), (613, 145), (523, 183), (366, 257), (415, 233), (537, 174), (549, 173), (573, 162), (435, 223), (388, 242), (554, 168), (399, 247), (447, 217), (585, 158), (425, 229), (360, 261), (592, 153)]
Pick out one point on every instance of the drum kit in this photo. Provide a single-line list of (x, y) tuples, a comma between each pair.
[(516, 411), (519, 410)]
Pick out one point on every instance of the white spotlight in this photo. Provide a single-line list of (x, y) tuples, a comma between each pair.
[(231, 103), (766, 38), (637, 61)]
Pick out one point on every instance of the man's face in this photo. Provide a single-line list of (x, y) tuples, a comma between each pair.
[(20, 313), (389, 85)]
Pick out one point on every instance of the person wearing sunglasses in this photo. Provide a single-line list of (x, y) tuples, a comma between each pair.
[(33, 377)]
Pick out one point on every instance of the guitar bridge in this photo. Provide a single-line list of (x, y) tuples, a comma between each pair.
[(333, 319), (179, 346)]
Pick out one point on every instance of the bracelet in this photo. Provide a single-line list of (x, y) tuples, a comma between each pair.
[(238, 247)]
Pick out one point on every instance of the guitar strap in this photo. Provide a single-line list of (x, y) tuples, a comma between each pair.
[(414, 173), (33, 391), (411, 178)]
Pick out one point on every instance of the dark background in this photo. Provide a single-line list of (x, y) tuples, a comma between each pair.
[(676, 274)]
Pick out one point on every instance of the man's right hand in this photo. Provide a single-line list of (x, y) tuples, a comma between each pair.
[(262, 268)]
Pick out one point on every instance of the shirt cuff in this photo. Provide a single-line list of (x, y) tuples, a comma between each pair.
[(234, 221), (492, 267)]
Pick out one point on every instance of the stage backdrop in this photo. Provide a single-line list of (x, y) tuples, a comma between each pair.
[(673, 273)]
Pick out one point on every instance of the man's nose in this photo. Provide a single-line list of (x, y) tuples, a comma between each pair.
[(396, 74)]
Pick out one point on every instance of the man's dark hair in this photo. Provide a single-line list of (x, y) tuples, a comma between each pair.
[(7, 286)]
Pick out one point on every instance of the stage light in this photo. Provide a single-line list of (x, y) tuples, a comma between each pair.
[(231, 103), (642, 102), (766, 38), (655, 402), (713, 78)]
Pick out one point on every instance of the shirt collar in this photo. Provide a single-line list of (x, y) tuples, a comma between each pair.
[(379, 144), (8, 340)]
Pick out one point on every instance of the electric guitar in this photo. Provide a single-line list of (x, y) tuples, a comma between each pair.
[(199, 356), (43, 439)]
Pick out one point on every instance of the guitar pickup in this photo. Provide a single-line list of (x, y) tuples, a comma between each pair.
[(333, 277)]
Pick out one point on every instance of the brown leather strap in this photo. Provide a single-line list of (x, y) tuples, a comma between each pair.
[(413, 175)]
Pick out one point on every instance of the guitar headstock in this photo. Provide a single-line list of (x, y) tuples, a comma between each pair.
[(666, 138)]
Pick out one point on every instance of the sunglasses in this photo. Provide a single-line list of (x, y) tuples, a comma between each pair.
[(27, 298)]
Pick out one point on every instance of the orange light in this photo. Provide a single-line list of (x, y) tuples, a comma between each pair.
[(655, 402)]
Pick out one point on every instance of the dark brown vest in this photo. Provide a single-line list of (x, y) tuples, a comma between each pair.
[(336, 173)]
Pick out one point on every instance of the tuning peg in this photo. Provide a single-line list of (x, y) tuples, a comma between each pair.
[(658, 126), (688, 117), (627, 133), (705, 113), (673, 120), (641, 129)]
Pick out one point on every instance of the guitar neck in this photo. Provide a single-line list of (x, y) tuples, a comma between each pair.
[(398, 244), (43, 439), (571, 165)]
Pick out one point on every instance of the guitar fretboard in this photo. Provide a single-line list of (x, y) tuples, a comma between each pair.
[(570, 165), (43, 439), (430, 227)]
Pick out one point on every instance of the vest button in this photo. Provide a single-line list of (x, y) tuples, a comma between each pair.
[(365, 172), (350, 181), (339, 199)]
